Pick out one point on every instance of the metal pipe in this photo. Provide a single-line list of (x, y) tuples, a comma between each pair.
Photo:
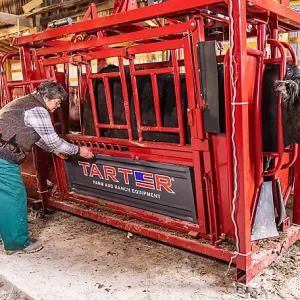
[(280, 144)]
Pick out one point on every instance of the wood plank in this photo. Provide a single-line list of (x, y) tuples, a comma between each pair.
[(8, 70), (78, 11), (13, 30), (6, 48), (31, 5), (57, 6), (13, 19)]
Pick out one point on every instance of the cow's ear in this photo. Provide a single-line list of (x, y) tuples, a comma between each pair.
[(288, 88)]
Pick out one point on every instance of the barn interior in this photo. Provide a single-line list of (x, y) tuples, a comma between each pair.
[(192, 191)]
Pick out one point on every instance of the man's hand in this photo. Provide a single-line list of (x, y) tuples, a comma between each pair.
[(61, 155), (86, 152)]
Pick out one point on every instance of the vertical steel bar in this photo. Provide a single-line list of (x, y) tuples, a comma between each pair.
[(294, 146), (26, 65), (196, 128), (197, 125), (5, 82), (92, 99), (125, 97), (240, 140), (64, 109), (178, 97), (36, 63), (52, 71), (198, 36), (80, 96), (274, 36), (156, 100), (108, 101), (258, 157), (199, 190), (45, 70), (136, 99)]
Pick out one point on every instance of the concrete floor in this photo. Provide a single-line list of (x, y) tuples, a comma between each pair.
[(82, 260)]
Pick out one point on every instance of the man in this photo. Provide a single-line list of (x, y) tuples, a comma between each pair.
[(26, 122)]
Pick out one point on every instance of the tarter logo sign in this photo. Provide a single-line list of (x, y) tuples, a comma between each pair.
[(142, 179), (162, 188)]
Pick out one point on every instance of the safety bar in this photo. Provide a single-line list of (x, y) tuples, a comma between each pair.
[(257, 119), (280, 147), (294, 146)]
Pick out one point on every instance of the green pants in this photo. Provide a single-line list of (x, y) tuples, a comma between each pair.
[(13, 208)]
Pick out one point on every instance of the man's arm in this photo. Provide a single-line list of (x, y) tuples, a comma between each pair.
[(39, 119), (43, 145)]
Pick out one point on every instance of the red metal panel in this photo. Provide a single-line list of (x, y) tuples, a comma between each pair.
[(221, 176), (250, 132)]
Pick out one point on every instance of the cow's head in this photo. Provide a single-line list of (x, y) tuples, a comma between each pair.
[(290, 86)]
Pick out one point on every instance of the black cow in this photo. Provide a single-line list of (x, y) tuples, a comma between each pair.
[(166, 89), (290, 106)]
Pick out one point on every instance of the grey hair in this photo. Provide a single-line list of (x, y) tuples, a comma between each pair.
[(49, 90)]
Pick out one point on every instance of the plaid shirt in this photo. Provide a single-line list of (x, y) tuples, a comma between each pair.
[(39, 119)]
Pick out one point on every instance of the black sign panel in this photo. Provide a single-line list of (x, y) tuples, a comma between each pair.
[(157, 187)]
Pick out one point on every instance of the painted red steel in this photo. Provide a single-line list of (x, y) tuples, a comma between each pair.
[(164, 9), (209, 155), (280, 145)]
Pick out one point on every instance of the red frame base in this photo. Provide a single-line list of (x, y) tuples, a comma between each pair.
[(261, 259)]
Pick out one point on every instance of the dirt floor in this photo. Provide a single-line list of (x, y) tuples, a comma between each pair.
[(83, 260)]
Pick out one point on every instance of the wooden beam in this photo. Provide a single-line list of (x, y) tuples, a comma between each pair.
[(6, 48), (31, 5), (57, 6), (13, 30), (77, 11), (14, 19)]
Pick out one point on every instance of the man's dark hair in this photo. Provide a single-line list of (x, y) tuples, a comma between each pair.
[(51, 90)]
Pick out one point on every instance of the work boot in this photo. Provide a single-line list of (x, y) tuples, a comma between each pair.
[(32, 248)]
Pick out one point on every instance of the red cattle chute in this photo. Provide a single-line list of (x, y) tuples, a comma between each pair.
[(225, 168)]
